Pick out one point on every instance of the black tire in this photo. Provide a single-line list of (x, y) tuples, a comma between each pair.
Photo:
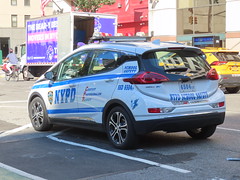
[(202, 133), (15, 76), (25, 74), (7, 76), (120, 130), (38, 115), (232, 89)]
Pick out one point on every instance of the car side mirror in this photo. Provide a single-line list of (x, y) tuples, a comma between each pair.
[(49, 75)]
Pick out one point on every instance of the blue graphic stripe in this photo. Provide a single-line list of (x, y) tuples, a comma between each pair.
[(75, 110), (82, 79)]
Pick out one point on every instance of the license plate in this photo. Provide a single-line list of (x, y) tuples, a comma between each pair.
[(234, 68), (186, 87)]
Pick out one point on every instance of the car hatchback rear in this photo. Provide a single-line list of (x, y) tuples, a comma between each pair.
[(176, 90)]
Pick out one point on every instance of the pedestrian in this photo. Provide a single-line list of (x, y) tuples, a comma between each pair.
[(11, 59)]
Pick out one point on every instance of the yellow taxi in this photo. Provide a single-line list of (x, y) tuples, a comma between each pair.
[(227, 64)]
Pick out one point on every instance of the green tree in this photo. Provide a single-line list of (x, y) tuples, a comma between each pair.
[(91, 5)]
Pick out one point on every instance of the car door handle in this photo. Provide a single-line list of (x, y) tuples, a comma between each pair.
[(109, 80), (72, 85)]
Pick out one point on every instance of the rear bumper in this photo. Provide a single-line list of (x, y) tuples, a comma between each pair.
[(230, 80), (178, 124)]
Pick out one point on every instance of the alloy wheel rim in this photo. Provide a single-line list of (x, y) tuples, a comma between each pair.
[(37, 114), (118, 128)]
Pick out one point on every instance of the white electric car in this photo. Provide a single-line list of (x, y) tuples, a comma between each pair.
[(130, 88)]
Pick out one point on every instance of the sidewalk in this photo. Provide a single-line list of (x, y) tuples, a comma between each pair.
[(2, 74), (6, 174)]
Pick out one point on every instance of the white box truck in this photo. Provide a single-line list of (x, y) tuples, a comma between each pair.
[(50, 38)]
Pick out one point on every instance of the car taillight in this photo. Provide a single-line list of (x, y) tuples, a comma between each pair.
[(221, 104), (216, 63), (154, 110), (146, 78), (212, 74), (161, 110), (218, 105)]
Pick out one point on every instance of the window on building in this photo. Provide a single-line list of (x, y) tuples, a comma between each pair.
[(185, 3), (202, 20), (201, 16), (219, 18), (13, 2), (26, 2), (199, 3), (14, 20), (26, 17)]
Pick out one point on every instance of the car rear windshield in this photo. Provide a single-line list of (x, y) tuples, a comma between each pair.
[(175, 62), (228, 56)]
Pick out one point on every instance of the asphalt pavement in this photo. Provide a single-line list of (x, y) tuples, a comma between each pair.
[(71, 153)]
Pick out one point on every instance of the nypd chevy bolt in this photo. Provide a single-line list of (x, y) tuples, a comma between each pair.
[(130, 88)]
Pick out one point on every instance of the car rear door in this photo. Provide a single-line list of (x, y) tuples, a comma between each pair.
[(101, 81)]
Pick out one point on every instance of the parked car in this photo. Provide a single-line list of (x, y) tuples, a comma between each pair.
[(127, 89), (227, 64)]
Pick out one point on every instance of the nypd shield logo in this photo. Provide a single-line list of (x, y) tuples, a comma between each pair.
[(50, 97)]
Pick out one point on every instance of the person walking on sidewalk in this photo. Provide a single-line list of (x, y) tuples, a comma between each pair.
[(11, 59)]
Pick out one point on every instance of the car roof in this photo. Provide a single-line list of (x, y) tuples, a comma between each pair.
[(137, 47)]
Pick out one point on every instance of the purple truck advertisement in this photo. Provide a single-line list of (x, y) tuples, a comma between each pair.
[(42, 41), (104, 25)]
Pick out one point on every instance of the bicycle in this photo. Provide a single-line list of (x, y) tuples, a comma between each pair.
[(14, 75)]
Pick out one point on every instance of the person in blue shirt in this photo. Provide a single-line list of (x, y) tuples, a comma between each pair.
[(11, 59)]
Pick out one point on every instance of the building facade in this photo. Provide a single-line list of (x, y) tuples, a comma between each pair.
[(13, 17), (171, 20), (132, 16), (181, 20)]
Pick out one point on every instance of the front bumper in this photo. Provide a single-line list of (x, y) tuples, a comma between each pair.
[(177, 124)]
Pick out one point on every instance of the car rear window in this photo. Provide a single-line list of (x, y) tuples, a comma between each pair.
[(175, 62), (228, 56)]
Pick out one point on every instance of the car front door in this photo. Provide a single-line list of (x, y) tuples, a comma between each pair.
[(101, 81), (65, 92)]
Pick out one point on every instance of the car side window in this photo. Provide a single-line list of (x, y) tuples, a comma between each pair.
[(103, 61), (72, 67)]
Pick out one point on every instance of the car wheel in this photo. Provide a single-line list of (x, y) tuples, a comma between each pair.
[(202, 133), (38, 115), (7, 76), (25, 74), (15, 76), (232, 89), (120, 130)]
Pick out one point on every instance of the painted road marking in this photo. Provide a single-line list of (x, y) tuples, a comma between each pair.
[(12, 131), (228, 129), (20, 107), (12, 169), (18, 101), (19, 172), (152, 163)]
